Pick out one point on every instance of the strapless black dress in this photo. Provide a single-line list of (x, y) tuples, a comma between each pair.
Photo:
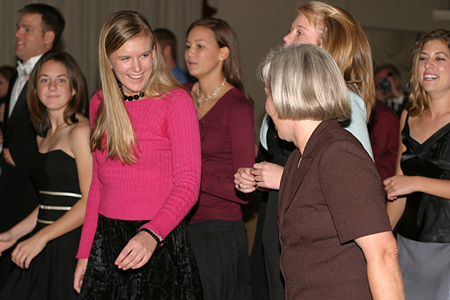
[(50, 275)]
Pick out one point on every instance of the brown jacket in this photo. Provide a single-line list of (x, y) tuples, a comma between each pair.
[(334, 197)]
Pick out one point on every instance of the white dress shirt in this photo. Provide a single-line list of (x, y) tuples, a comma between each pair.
[(24, 71)]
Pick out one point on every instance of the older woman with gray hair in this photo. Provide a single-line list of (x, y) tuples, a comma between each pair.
[(335, 234)]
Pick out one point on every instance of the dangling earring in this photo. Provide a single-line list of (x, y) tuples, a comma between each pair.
[(153, 61)]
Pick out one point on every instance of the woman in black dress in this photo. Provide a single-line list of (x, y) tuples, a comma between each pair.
[(420, 190), (62, 173)]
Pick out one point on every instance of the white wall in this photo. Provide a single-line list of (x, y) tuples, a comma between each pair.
[(261, 24)]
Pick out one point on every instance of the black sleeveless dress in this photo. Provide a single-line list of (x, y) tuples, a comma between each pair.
[(424, 229), (50, 275)]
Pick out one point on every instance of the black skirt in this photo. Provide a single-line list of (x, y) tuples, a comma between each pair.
[(171, 272), (221, 250), (50, 275)]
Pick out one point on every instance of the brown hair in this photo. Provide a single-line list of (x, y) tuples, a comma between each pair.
[(418, 98), (225, 37), (52, 18), (38, 112), (341, 35)]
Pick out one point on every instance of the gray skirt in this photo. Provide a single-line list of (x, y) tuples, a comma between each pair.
[(425, 269)]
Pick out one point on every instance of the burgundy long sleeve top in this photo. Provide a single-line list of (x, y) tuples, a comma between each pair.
[(227, 144)]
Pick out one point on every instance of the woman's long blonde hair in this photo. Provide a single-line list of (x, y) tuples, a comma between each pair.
[(112, 118), (341, 35)]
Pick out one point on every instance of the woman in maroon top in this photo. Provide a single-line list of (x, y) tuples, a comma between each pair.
[(225, 114), (336, 240)]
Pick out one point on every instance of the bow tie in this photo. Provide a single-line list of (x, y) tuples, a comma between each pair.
[(24, 69)]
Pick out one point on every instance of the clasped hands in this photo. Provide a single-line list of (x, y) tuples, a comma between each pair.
[(263, 175)]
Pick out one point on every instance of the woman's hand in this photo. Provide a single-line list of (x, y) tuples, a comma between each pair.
[(268, 175), (80, 270), (137, 252), (6, 241), (244, 180), (27, 250), (399, 185)]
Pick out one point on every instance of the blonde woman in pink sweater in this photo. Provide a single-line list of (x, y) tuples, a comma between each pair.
[(146, 149)]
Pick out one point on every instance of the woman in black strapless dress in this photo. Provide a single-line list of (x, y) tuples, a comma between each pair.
[(62, 173)]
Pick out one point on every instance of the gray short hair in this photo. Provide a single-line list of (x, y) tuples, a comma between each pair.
[(305, 83)]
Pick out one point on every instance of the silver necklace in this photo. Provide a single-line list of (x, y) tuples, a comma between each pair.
[(200, 101)]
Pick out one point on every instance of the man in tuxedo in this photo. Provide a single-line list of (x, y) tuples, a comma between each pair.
[(38, 31)]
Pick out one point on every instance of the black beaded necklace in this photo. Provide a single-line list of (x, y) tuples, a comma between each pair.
[(130, 98)]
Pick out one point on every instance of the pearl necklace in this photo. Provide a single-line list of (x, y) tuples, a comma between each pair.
[(201, 101)]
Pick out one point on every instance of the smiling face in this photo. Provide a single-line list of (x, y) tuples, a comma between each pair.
[(30, 40), (434, 67), (53, 86), (132, 63), (203, 55), (302, 31)]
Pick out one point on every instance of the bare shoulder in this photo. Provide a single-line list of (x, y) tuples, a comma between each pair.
[(403, 118), (81, 130)]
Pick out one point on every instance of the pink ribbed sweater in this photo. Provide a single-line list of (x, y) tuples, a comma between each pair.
[(164, 183)]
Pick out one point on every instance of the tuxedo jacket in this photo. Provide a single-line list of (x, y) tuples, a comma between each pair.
[(18, 196)]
